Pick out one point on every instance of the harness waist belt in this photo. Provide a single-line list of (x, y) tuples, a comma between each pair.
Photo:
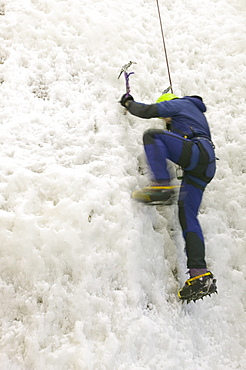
[(203, 138)]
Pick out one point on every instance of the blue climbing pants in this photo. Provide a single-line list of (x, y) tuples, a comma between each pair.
[(197, 158)]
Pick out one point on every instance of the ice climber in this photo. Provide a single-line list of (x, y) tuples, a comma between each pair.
[(186, 142)]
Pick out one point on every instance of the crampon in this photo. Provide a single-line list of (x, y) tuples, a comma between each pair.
[(198, 287)]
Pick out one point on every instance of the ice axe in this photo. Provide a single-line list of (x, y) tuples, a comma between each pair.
[(127, 75)]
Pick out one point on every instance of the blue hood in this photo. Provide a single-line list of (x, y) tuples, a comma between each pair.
[(198, 103)]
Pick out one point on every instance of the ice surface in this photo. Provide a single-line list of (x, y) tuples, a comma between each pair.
[(88, 278)]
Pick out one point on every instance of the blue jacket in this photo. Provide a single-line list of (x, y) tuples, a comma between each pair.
[(186, 113), (187, 116)]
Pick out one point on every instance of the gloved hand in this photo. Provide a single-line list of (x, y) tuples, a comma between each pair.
[(125, 98)]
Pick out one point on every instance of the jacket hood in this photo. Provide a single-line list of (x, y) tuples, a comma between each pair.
[(198, 102)]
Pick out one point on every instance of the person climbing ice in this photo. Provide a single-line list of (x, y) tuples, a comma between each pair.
[(186, 142)]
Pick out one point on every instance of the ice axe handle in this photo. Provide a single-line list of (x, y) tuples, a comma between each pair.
[(127, 75)]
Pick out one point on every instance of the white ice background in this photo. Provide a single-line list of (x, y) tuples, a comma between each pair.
[(88, 277)]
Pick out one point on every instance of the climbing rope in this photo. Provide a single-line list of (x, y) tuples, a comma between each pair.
[(164, 45)]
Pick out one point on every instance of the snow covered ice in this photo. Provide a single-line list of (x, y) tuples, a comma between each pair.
[(89, 278)]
